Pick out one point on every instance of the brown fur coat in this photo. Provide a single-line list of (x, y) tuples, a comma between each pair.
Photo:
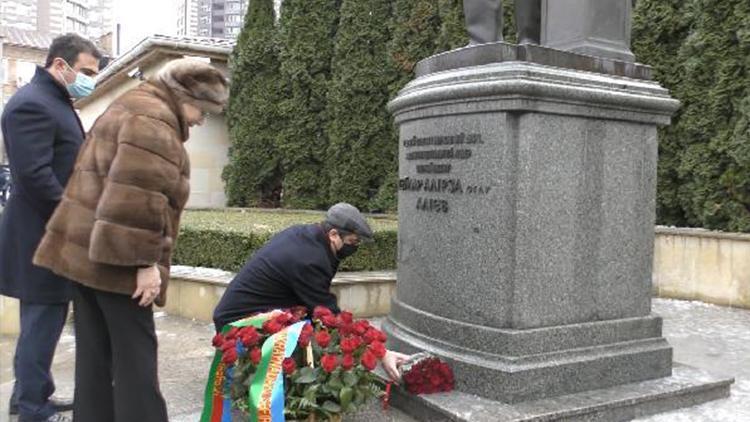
[(121, 208)]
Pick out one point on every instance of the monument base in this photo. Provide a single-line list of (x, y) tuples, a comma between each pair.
[(687, 386), (521, 365), (527, 185)]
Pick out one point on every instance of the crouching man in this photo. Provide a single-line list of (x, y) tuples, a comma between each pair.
[(295, 268)]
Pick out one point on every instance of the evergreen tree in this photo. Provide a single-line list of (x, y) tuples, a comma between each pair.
[(253, 174), (659, 29), (453, 29), (509, 22), (415, 37), (714, 164), (361, 150), (308, 29), (699, 50)]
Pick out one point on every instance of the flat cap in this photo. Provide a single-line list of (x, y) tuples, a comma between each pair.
[(348, 218)]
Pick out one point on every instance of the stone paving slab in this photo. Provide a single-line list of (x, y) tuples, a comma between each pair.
[(705, 336)]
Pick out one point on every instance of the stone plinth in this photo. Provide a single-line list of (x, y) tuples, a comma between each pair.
[(526, 215), (687, 387)]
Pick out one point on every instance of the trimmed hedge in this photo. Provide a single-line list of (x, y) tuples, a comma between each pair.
[(226, 239)]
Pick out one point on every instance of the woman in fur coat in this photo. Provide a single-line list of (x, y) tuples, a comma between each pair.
[(114, 232)]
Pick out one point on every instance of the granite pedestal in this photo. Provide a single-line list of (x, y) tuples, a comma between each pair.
[(526, 215)]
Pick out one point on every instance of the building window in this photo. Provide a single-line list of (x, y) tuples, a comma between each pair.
[(75, 9), (73, 25)]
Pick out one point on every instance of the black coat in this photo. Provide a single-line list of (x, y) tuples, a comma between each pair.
[(295, 268), (42, 136)]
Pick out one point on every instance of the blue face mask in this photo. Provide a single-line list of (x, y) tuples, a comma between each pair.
[(83, 86)]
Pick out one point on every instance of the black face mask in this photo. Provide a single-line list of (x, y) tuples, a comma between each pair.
[(346, 251)]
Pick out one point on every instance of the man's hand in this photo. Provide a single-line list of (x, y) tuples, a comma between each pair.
[(147, 285), (391, 361)]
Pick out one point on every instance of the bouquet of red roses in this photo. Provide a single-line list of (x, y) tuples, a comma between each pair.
[(426, 374), (326, 371)]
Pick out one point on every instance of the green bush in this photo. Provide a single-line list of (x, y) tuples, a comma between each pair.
[(216, 248), (226, 239)]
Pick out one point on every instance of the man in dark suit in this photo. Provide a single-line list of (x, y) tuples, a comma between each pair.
[(42, 136)]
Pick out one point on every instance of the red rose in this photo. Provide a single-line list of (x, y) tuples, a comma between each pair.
[(304, 335), (372, 334), (436, 380), (330, 321), (232, 333), (382, 337), (346, 317), (299, 312), (329, 362), (321, 311), (349, 344), (229, 344), (346, 330), (429, 376), (361, 327), (229, 356), (255, 355), (378, 349), (444, 369), (411, 377), (272, 327), (369, 361), (289, 366), (283, 318), (218, 340), (357, 342), (347, 362), (250, 337), (323, 338)]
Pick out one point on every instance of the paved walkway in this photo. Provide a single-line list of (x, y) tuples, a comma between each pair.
[(706, 336)]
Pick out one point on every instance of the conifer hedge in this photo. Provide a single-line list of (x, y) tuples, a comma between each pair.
[(700, 50), (314, 123)]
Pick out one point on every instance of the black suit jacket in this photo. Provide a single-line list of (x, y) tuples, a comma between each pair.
[(42, 136)]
